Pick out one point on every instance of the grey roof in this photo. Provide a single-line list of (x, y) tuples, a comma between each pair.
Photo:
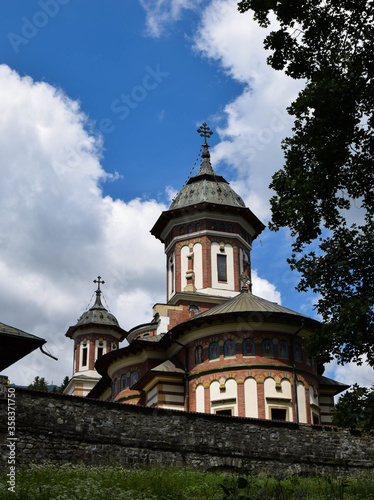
[(246, 302), (15, 332), (15, 344), (97, 315), (330, 382), (206, 186)]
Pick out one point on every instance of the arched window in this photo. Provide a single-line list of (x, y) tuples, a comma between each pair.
[(214, 350), (134, 378), (192, 310), (297, 352), (229, 348), (283, 349), (267, 347), (249, 347), (123, 382), (199, 354)]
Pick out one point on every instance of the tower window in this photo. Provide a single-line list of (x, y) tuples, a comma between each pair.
[(99, 352), (84, 356), (221, 267), (172, 277)]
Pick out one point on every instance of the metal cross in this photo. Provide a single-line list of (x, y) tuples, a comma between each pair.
[(99, 282), (204, 131)]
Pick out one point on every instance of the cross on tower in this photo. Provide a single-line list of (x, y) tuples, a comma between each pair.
[(205, 132), (99, 282)]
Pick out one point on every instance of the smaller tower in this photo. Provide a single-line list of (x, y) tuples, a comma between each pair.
[(96, 333)]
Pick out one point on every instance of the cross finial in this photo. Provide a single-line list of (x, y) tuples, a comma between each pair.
[(205, 132), (99, 282)]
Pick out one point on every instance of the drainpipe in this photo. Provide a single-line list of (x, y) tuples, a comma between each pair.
[(47, 353), (294, 371), (186, 372)]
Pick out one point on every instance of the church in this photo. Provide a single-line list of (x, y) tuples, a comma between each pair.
[(213, 346)]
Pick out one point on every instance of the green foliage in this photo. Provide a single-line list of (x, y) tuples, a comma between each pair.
[(40, 384), (79, 482), (328, 161), (355, 409), (63, 384)]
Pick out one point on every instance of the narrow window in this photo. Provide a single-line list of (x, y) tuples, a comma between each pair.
[(99, 352), (221, 267), (84, 356), (172, 277)]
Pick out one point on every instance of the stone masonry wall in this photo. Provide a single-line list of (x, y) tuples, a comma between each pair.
[(59, 428)]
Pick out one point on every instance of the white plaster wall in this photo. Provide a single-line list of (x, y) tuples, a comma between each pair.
[(184, 266), (229, 252), (279, 399), (250, 398), (224, 400), (301, 400), (198, 265), (200, 405)]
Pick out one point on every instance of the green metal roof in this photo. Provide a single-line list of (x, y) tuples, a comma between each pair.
[(247, 302), (206, 186), (15, 344)]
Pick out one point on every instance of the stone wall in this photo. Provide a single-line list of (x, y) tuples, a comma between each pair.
[(59, 428)]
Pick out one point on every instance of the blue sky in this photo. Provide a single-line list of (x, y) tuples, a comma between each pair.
[(99, 106)]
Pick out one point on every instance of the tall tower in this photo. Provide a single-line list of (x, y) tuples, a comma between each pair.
[(207, 233), (96, 333)]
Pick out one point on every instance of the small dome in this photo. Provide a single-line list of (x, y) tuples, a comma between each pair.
[(206, 186), (97, 315)]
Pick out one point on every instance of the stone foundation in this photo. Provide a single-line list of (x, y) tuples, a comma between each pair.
[(59, 428)]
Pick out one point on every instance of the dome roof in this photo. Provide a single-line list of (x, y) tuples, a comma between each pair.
[(97, 315), (245, 308), (206, 186)]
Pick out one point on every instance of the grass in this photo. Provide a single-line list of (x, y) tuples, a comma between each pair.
[(78, 482)]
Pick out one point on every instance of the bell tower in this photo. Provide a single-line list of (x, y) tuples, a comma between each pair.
[(207, 234), (96, 333)]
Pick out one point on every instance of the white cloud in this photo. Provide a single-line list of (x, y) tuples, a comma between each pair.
[(256, 121), (57, 232), (351, 373), (264, 289), (161, 14)]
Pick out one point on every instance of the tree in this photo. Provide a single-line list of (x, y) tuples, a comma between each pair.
[(63, 384), (40, 384), (355, 409), (328, 167)]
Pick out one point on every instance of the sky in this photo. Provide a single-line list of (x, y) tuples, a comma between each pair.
[(99, 107)]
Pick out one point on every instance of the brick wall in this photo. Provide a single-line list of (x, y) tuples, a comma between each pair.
[(59, 428)]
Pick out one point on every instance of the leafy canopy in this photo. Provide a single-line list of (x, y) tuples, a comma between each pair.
[(355, 409), (328, 171)]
